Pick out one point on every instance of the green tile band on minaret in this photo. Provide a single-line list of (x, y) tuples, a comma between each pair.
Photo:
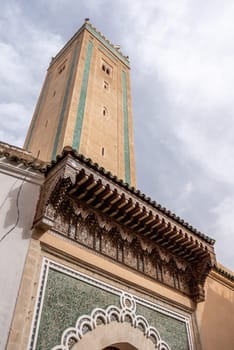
[(65, 100), (126, 131), (87, 105), (83, 93), (37, 112)]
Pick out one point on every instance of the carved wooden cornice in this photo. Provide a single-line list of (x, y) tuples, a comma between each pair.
[(75, 193)]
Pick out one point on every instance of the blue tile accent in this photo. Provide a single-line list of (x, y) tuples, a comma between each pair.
[(82, 99), (65, 101), (126, 131), (66, 298)]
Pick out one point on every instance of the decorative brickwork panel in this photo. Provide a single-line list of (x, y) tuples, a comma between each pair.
[(94, 232), (66, 296), (173, 331)]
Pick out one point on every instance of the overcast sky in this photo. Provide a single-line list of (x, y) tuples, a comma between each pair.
[(182, 60)]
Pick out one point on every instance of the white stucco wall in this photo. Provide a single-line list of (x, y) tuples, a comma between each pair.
[(19, 191)]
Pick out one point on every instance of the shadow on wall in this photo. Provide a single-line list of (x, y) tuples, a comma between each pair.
[(20, 203)]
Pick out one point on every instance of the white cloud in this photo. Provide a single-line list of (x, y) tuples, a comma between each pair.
[(13, 118), (25, 49), (193, 58)]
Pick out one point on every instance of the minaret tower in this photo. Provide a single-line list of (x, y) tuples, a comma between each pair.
[(85, 103)]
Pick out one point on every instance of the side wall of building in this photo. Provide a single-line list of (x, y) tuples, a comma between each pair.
[(61, 289), (215, 316), (18, 198)]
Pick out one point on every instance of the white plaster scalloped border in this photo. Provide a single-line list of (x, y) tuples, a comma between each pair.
[(126, 313)]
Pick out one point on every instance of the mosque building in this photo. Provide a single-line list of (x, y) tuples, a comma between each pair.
[(87, 261)]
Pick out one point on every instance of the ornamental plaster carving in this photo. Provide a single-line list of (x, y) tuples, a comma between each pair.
[(125, 313), (84, 225), (61, 211)]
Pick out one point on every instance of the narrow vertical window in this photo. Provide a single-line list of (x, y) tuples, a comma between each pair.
[(106, 69), (105, 85), (104, 112), (61, 68), (103, 151)]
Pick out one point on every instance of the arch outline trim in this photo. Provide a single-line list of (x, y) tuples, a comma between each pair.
[(125, 313)]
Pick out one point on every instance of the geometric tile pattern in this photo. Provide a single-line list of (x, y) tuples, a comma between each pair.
[(66, 295)]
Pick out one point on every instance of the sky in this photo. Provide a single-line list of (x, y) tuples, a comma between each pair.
[(182, 80)]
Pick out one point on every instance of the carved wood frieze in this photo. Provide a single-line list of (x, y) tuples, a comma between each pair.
[(60, 209), (90, 229)]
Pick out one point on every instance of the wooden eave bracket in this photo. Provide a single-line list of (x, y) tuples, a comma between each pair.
[(69, 178)]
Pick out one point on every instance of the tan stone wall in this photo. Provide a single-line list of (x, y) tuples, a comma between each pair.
[(99, 131), (69, 126), (102, 137), (89, 263), (49, 108), (215, 316), (21, 324), (131, 134), (117, 271)]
